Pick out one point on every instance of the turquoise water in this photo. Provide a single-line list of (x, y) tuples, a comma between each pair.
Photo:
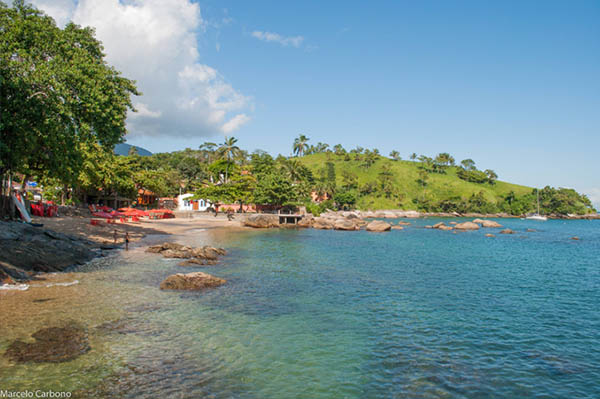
[(328, 314)]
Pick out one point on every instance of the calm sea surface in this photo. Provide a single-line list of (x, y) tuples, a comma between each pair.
[(329, 314)]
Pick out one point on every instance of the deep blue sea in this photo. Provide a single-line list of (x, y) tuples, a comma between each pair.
[(413, 313)]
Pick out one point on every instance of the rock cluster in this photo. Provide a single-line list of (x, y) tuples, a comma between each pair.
[(196, 256), (191, 281)]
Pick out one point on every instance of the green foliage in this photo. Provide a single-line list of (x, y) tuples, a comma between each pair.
[(345, 199), (275, 189), (235, 191), (57, 95)]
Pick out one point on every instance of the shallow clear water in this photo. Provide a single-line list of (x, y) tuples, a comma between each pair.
[(328, 314)]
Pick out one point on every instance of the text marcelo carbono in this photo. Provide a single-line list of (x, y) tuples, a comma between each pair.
[(34, 394)]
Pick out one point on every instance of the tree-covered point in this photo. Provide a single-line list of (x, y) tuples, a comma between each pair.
[(58, 96)]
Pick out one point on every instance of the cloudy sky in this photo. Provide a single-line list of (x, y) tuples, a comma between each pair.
[(513, 85)]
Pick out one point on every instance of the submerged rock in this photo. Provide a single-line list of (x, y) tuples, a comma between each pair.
[(52, 345), (191, 281), (378, 226), (507, 231), (396, 227), (490, 235), (444, 227), (467, 226), (262, 221), (197, 262)]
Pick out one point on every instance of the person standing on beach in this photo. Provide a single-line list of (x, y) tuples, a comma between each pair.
[(126, 241), (115, 235)]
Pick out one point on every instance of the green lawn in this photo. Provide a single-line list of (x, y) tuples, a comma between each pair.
[(406, 173)]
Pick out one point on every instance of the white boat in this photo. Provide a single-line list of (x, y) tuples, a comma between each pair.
[(537, 216)]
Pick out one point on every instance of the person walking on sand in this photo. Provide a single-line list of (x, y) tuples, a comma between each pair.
[(115, 235), (229, 214), (126, 241)]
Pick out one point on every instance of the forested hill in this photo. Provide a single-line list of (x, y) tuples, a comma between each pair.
[(426, 185)]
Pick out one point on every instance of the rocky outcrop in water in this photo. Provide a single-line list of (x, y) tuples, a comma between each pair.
[(25, 250), (467, 226), (487, 223), (205, 255), (52, 345), (262, 221), (378, 226), (191, 281), (507, 231), (345, 224)]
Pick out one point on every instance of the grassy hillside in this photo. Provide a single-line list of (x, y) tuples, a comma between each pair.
[(405, 176)]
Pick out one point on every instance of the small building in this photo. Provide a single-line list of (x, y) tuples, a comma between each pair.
[(186, 203), (146, 197)]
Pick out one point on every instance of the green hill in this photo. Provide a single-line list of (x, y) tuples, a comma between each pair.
[(404, 176)]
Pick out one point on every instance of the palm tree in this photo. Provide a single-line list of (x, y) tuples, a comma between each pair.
[(395, 155), (228, 150), (292, 169), (413, 156), (300, 145)]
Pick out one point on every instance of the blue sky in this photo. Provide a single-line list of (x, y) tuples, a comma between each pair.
[(513, 85)]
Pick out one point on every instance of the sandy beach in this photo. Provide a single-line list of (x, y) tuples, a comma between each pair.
[(104, 233)]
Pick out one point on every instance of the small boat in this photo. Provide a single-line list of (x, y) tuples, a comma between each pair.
[(537, 216)]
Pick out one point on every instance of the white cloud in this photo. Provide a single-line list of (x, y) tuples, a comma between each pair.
[(154, 42), (295, 41), (594, 196), (235, 122), (60, 10)]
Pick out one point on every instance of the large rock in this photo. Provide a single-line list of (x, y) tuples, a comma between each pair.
[(378, 226), (322, 223), (25, 249), (467, 226), (487, 223), (345, 224), (191, 281), (262, 221), (306, 221)]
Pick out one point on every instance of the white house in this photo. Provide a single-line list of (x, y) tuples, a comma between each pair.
[(186, 203)]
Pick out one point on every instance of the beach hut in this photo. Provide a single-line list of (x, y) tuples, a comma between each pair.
[(186, 203)]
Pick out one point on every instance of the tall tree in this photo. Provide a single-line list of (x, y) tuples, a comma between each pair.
[(300, 145), (228, 151), (56, 93)]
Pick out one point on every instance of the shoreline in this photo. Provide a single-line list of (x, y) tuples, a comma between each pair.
[(64, 243)]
